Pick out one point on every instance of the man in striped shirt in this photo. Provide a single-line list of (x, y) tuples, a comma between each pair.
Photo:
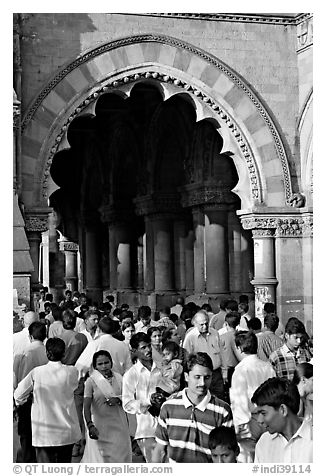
[(187, 417)]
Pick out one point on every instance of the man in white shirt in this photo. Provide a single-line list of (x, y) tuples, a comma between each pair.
[(145, 321), (55, 426), (138, 384), (105, 341), (33, 356), (205, 339), (248, 375), (288, 439), (91, 320), (177, 309), (21, 339)]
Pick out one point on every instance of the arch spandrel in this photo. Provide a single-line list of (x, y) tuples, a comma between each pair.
[(198, 73)]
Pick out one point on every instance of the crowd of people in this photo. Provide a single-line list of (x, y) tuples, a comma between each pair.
[(99, 383)]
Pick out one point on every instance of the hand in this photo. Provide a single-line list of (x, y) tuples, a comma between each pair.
[(93, 432), (113, 401)]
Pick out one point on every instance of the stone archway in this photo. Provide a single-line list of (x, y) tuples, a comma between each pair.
[(218, 93), (78, 85)]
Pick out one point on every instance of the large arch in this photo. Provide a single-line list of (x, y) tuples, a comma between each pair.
[(218, 92)]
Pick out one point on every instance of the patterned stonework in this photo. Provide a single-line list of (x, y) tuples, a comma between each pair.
[(157, 203), (207, 196), (244, 146), (284, 227), (233, 17), (36, 223), (305, 33), (68, 246)]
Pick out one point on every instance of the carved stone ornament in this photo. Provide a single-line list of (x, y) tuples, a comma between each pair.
[(115, 83), (36, 223), (263, 233), (206, 195), (294, 227), (258, 222), (297, 200), (68, 246), (114, 215), (157, 203)]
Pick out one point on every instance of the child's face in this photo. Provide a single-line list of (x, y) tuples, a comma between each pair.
[(167, 356), (223, 454)]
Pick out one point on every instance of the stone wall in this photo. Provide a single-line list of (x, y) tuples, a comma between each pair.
[(264, 54)]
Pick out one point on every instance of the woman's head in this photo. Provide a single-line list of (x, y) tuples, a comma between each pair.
[(155, 335), (102, 361), (127, 329), (171, 334), (303, 378)]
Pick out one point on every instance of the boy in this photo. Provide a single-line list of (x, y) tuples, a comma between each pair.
[(222, 442), (288, 439)]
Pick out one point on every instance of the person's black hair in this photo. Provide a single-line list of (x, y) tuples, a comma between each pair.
[(254, 324), (271, 321), (223, 304), (90, 313), (127, 323), (69, 319), (243, 306), (246, 341), (223, 436), (171, 347), (124, 306), (124, 315), (108, 325), (269, 307), (232, 305), (174, 318), (98, 354), (152, 329), (166, 335), (233, 319), (207, 307), (55, 349), (200, 358), (137, 338), (144, 312), (37, 330), (68, 292), (294, 326), (41, 315), (57, 313), (277, 391), (302, 370), (49, 297), (166, 310), (68, 305), (243, 298), (110, 298), (117, 311)]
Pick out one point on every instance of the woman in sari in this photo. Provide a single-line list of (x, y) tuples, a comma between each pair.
[(108, 438)]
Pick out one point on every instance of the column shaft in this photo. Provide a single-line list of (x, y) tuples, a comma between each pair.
[(149, 275), (163, 256), (217, 257), (180, 234), (199, 252)]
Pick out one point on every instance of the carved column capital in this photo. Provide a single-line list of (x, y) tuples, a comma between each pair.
[(36, 223), (158, 203), (262, 233), (111, 214), (209, 195), (258, 222), (68, 246)]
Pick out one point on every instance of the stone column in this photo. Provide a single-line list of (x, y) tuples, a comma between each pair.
[(189, 261), (216, 246), (113, 257), (179, 236), (149, 274), (35, 224), (93, 264), (199, 251), (163, 252), (70, 251), (264, 262), (234, 239), (123, 238)]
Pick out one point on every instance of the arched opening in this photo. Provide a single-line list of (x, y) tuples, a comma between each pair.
[(146, 193)]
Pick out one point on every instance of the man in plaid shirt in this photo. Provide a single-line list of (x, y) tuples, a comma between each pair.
[(285, 359)]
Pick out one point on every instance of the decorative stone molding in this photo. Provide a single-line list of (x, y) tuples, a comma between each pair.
[(284, 226), (36, 223), (206, 195), (68, 246), (113, 215), (258, 222), (246, 152), (305, 33), (157, 203), (233, 17), (244, 146), (263, 233)]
